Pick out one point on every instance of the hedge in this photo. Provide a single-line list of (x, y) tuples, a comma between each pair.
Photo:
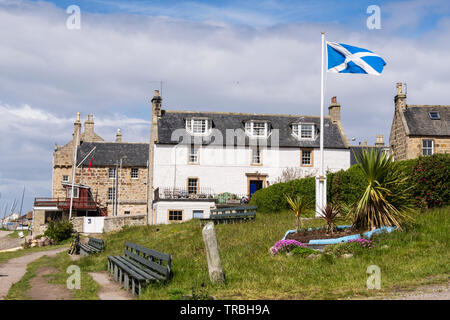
[(429, 177)]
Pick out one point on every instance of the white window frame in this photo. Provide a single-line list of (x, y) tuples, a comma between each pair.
[(192, 125), (134, 173), (76, 191), (193, 157), (250, 128), (66, 178), (112, 170), (428, 148), (297, 131), (438, 116), (256, 154)]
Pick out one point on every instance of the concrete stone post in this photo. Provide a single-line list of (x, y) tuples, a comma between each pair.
[(212, 254)]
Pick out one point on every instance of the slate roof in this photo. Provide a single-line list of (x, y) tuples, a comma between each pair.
[(419, 122), (173, 120), (109, 153)]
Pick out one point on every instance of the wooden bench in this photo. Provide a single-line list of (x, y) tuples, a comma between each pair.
[(231, 215), (94, 245), (139, 265)]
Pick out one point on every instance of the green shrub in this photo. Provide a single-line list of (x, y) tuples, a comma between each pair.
[(59, 230), (302, 251), (273, 198), (428, 175), (355, 247), (431, 180)]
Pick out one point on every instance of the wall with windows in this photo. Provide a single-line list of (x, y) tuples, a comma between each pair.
[(132, 189), (224, 169), (418, 146)]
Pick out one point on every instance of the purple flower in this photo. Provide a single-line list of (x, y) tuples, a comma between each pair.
[(285, 245)]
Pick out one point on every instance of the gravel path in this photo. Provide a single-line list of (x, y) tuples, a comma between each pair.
[(109, 289), (428, 292), (14, 269), (7, 242)]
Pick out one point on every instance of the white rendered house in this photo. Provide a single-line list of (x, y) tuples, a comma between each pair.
[(197, 155)]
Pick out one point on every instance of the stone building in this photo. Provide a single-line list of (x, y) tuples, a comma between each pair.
[(418, 130), (116, 172)]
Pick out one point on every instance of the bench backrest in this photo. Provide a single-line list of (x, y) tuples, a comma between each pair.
[(154, 260), (96, 243), (234, 211)]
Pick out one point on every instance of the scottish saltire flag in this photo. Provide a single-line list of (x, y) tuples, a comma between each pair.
[(343, 58)]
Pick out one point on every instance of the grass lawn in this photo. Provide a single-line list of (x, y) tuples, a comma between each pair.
[(88, 290), (417, 256), (15, 234)]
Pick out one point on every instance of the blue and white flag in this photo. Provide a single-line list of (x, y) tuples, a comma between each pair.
[(343, 58)]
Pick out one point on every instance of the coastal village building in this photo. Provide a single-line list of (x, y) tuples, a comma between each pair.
[(195, 161), (197, 155), (111, 178), (418, 130)]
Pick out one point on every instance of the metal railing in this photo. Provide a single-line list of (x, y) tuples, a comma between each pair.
[(200, 193), (65, 203)]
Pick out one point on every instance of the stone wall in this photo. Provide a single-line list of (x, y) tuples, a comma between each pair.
[(77, 223), (116, 223)]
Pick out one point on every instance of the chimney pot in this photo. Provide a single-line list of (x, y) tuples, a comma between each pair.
[(334, 110), (118, 136), (156, 93), (399, 88)]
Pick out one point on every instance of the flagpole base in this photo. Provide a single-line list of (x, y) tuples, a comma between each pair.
[(321, 194)]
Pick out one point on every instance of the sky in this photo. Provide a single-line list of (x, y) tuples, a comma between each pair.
[(238, 56)]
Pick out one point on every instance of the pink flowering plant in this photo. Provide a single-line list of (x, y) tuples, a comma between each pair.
[(284, 246)]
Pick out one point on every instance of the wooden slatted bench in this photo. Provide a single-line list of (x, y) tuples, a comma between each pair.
[(94, 245), (139, 266), (231, 215)]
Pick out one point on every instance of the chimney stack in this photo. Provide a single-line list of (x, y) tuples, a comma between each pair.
[(77, 129), (380, 140), (118, 136), (334, 110), (400, 98), (89, 127), (156, 104)]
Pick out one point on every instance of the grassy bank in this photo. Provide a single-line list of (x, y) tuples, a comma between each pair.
[(88, 289), (416, 256)]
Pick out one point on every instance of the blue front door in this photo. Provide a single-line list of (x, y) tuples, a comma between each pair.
[(255, 185)]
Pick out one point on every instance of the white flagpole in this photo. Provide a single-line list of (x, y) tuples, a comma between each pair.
[(321, 182), (73, 174)]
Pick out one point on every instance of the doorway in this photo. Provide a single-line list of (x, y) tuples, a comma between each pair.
[(255, 185)]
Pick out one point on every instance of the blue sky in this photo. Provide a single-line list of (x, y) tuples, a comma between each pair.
[(243, 56), (271, 12)]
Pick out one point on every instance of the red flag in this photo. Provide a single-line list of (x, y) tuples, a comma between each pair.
[(90, 163)]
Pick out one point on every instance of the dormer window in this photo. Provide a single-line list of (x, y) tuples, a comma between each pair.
[(304, 131), (198, 126), (434, 115), (257, 128)]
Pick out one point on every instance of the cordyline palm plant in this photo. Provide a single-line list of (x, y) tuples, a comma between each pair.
[(330, 213), (385, 201), (299, 205)]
